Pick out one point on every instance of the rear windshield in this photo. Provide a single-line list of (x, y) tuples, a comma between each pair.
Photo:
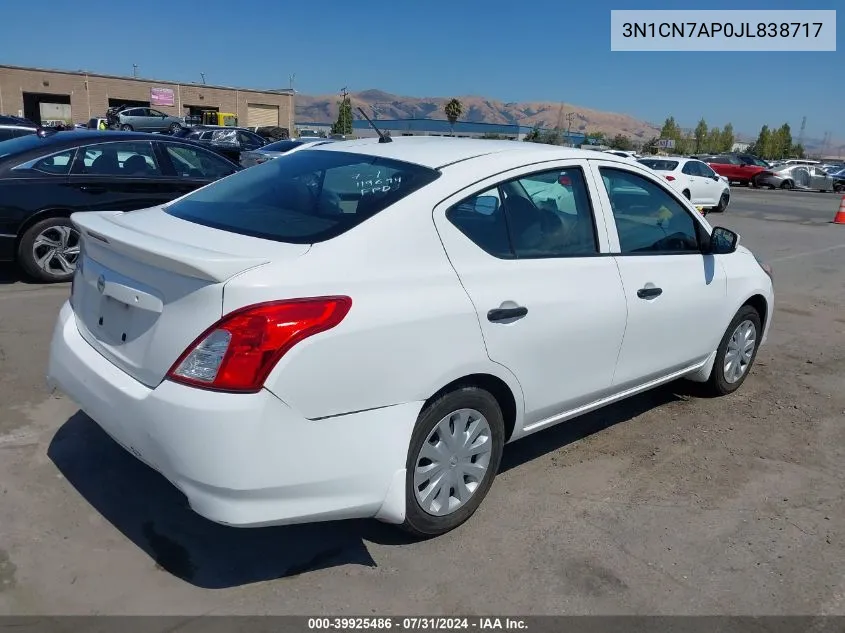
[(660, 165), (310, 196), (282, 146)]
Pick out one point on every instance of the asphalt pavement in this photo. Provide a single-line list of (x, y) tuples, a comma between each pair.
[(664, 504)]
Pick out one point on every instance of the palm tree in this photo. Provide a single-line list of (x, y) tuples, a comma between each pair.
[(454, 109)]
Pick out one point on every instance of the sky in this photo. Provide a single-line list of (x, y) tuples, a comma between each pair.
[(532, 50)]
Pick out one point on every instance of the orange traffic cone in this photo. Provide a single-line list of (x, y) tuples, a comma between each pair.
[(839, 218)]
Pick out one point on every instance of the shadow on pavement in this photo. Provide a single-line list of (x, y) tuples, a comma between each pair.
[(155, 516)]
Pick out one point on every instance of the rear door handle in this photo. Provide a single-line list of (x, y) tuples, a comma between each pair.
[(503, 314), (649, 293), (92, 188)]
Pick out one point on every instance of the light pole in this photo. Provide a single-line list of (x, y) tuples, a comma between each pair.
[(203, 78), (135, 70)]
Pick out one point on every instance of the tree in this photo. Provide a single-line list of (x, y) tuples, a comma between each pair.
[(713, 142), (453, 109), (343, 125), (534, 135), (595, 138), (726, 138), (622, 142), (700, 135), (650, 146), (762, 146), (670, 129)]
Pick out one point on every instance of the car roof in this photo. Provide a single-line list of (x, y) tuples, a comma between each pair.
[(436, 152)]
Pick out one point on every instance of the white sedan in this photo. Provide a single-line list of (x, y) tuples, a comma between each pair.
[(359, 329), (695, 179)]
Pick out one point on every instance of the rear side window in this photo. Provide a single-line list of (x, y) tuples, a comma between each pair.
[(542, 215), (282, 146), (309, 197), (191, 162)]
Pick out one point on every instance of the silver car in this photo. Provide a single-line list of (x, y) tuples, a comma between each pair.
[(280, 148), (806, 177), (148, 120)]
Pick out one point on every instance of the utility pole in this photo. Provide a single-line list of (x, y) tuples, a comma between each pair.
[(203, 78), (801, 133), (569, 117)]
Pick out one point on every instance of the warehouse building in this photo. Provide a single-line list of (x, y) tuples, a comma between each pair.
[(76, 97)]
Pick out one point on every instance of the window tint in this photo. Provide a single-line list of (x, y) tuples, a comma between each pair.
[(282, 146), (191, 162), (705, 170), (547, 214), (6, 134), (156, 113), (57, 164), (482, 219), (660, 165), (308, 197), (130, 158), (648, 218), (690, 168)]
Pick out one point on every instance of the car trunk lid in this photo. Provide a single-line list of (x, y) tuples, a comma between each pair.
[(148, 284)]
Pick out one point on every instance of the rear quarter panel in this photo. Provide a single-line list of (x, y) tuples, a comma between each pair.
[(411, 330)]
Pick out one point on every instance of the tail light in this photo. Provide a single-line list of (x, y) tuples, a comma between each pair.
[(237, 353), (670, 178)]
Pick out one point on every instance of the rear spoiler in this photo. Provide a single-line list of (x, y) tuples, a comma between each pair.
[(102, 229)]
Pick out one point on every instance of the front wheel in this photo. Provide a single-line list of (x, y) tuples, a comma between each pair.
[(786, 184), (724, 201), (174, 128), (453, 457), (49, 249), (736, 352), (126, 127)]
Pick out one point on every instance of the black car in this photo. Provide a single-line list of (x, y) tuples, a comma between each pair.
[(46, 177), (229, 141)]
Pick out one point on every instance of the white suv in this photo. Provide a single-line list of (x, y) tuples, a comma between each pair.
[(695, 179)]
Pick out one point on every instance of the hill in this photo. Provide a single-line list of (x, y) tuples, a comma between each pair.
[(383, 105)]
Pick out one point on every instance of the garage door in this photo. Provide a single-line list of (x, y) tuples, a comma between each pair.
[(262, 115)]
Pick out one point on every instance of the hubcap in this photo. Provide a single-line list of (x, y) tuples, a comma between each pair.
[(452, 462), (740, 350), (56, 249)]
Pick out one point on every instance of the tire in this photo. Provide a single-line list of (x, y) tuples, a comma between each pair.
[(175, 127), (787, 184), (687, 194), (720, 382), (724, 201), (838, 188), (422, 519), (52, 234), (126, 127)]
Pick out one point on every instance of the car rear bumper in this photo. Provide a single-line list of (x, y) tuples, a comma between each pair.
[(244, 460)]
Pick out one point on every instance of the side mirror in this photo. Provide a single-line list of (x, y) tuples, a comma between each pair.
[(716, 177), (722, 241)]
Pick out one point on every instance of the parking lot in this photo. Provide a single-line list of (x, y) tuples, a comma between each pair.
[(667, 503)]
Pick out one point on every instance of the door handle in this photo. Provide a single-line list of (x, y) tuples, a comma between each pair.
[(92, 188), (649, 293), (503, 314)]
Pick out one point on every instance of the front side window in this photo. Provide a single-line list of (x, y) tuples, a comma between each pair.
[(192, 162), (705, 170), (547, 214), (649, 220), (308, 197), (126, 158), (156, 113), (690, 168)]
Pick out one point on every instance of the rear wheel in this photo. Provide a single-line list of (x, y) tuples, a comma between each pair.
[(724, 201), (736, 352), (454, 455), (126, 127), (49, 249), (174, 128), (787, 184)]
